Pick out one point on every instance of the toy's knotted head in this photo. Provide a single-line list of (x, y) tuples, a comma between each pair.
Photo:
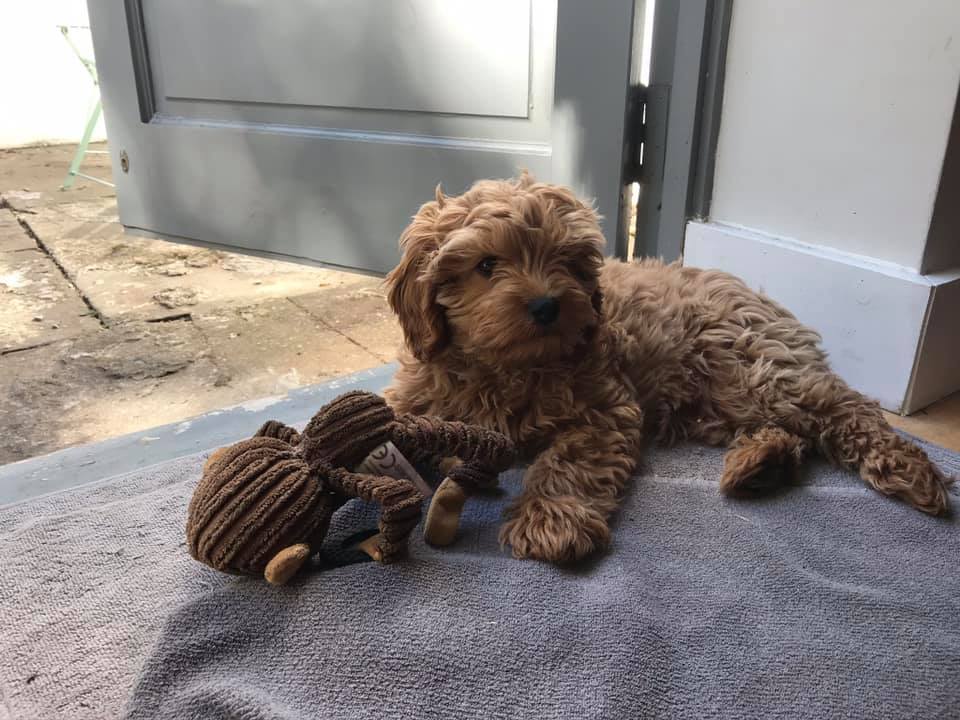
[(255, 498), (271, 492), (347, 429)]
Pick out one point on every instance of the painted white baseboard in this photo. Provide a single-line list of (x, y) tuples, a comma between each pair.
[(936, 373), (887, 329)]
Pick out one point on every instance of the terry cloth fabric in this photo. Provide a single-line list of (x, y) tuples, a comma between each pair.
[(825, 600)]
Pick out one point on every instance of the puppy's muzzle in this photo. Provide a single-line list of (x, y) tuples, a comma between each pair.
[(544, 310)]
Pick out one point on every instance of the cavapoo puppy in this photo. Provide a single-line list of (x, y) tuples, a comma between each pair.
[(514, 320)]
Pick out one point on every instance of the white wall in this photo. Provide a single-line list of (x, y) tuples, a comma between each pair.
[(835, 121), (830, 161), (943, 244), (46, 95)]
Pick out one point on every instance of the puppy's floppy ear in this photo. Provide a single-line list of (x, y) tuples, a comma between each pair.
[(412, 293), (597, 300)]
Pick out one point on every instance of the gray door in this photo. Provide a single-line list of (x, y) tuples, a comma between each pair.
[(315, 128)]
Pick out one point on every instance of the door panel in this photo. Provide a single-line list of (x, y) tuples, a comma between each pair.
[(359, 54), (315, 128)]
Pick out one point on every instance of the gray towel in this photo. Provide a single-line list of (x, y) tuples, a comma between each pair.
[(825, 600)]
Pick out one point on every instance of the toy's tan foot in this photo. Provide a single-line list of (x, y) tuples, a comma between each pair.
[(371, 546), (214, 456), (443, 517), (448, 464), (285, 564)]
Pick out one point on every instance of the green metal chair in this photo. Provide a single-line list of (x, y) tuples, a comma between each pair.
[(83, 148)]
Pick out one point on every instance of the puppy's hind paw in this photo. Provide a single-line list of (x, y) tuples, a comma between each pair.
[(761, 461), (911, 478)]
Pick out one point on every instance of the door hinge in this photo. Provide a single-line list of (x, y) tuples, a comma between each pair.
[(635, 134)]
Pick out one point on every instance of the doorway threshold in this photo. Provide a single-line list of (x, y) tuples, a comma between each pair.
[(85, 464)]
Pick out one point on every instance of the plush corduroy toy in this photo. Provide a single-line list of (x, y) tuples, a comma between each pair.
[(264, 505)]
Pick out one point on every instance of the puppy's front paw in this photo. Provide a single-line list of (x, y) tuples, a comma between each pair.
[(559, 530)]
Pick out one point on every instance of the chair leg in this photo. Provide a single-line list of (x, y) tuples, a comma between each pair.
[(82, 147)]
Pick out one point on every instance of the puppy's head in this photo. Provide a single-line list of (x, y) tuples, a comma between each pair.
[(506, 274)]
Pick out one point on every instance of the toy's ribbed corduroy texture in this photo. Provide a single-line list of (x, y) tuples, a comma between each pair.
[(280, 488)]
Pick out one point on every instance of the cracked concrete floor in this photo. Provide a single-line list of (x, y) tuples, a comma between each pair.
[(103, 334)]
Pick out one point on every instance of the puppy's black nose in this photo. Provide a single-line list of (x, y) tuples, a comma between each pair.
[(544, 310)]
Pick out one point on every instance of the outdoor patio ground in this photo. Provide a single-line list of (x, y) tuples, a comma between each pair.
[(103, 333)]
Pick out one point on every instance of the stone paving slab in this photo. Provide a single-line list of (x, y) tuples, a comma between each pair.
[(151, 331), (13, 238), (362, 314), (38, 305), (275, 346), (130, 277), (32, 176)]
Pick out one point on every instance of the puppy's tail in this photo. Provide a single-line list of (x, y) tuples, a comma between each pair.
[(855, 434)]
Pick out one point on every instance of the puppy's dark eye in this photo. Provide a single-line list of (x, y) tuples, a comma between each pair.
[(581, 272), (485, 267)]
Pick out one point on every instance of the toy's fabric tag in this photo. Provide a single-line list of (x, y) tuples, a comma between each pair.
[(388, 460)]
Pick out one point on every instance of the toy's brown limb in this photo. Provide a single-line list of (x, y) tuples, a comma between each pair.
[(443, 517), (400, 501), (284, 564), (276, 429), (446, 505), (470, 457), (484, 453)]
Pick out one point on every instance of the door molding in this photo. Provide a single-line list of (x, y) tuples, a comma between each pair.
[(683, 103)]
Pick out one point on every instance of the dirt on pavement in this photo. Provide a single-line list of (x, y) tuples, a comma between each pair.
[(104, 333)]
